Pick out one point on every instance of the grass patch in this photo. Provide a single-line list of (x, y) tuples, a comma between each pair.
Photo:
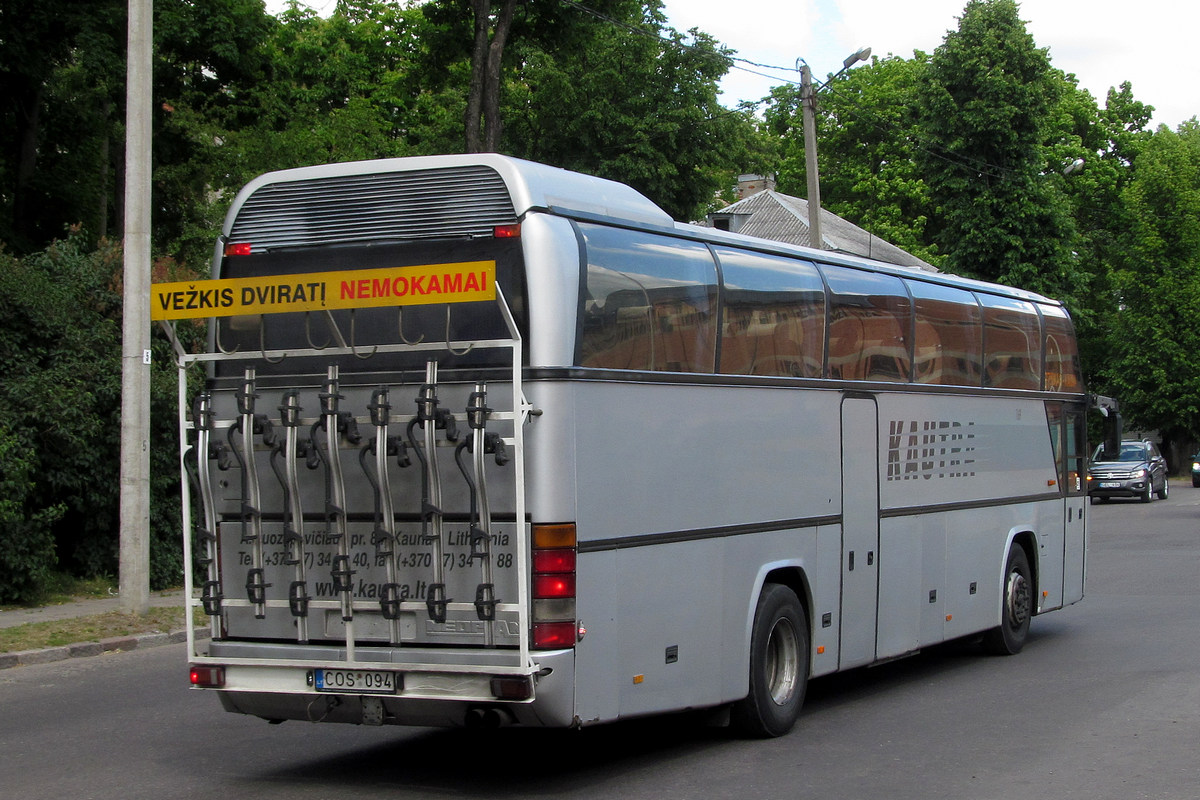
[(55, 633), (63, 588)]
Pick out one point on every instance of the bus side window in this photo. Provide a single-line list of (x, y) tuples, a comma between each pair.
[(1063, 372), (1076, 464), (774, 316), (948, 349), (870, 319), (649, 302), (1012, 344), (1067, 439)]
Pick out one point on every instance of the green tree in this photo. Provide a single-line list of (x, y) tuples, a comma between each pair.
[(635, 102), (1154, 364), (985, 107), (53, 116), (867, 152), (1089, 161), (62, 102)]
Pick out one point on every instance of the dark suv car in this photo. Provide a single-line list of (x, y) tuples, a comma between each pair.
[(1138, 471)]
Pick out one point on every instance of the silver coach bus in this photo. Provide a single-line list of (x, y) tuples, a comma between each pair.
[(486, 442)]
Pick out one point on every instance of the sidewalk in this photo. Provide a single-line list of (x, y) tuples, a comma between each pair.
[(10, 618), (86, 608)]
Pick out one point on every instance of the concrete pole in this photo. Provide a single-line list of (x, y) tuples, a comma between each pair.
[(808, 100), (135, 341)]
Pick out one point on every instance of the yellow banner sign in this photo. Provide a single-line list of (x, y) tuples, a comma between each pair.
[(465, 282)]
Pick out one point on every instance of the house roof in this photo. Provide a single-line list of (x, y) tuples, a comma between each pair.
[(783, 218)]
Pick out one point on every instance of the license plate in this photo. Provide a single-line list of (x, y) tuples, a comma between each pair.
[(357, 681), (1110, 485)]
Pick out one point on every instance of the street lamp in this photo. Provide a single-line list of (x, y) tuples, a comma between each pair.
[(808, 101)]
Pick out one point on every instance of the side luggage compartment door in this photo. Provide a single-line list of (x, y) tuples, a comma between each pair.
[(860, 529)]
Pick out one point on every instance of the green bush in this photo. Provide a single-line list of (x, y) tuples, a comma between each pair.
[(26, 543), (60, 399)]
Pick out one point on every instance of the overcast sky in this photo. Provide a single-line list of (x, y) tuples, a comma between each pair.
[(1103, 42)]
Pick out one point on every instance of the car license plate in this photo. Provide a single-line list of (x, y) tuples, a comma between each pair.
[(1110, 485), (358, 681)]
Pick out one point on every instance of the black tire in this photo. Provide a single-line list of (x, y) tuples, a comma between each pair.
[(779, 663), (1016, 606), (1166, 489), (1195, 482), (1148, 495)]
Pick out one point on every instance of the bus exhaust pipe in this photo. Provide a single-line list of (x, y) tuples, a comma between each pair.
[(486, 719)]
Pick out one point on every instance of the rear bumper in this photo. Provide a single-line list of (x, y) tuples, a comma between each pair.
[(275, 682)]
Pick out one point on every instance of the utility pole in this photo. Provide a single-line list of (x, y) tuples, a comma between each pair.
[(808, 101), (135, 339)]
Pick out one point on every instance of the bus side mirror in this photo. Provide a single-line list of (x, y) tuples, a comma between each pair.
[(1110, 409), (1112, 436)]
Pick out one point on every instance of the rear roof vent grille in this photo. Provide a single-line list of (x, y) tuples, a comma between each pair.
[(457, 202)]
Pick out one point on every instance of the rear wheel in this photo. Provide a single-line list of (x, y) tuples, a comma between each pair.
[(779, 653), (1016, 606)]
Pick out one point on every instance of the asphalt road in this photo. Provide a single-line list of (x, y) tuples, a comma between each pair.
[(1104, 702)]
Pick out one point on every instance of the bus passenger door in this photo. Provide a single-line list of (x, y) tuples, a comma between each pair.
[(1073, 466), (860, 529)]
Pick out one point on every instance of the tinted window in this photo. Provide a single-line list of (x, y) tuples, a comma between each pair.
[(1012, 344), (948, 340), (773, 317), (649, 302), (1067, 439), (869, 326), (1063, 373), (365, 328)]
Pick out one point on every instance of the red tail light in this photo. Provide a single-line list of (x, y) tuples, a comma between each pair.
[(507, 231), (553, 584), (554, 561), (238, 249), (553, 635), (550, 586), (208, 677)]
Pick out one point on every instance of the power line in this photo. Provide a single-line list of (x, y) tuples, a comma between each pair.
[(641, 31), (930, 148)]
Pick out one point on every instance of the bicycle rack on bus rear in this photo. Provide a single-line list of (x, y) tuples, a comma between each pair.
[(239, 435)]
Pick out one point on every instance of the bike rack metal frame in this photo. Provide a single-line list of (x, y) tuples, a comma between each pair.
[(521, 662)]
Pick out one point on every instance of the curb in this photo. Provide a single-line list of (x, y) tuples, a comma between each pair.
[(118, 644)]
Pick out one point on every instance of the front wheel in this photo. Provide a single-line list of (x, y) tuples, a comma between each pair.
[(1166, 489), (1016, 606), (779, 653)]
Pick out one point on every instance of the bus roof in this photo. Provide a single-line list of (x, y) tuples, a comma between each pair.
[(530, 187)]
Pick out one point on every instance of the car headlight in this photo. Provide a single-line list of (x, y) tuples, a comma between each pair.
[(1141, 473), (1196, 466)]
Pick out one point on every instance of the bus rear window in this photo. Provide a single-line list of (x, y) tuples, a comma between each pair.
[(364, 329)]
